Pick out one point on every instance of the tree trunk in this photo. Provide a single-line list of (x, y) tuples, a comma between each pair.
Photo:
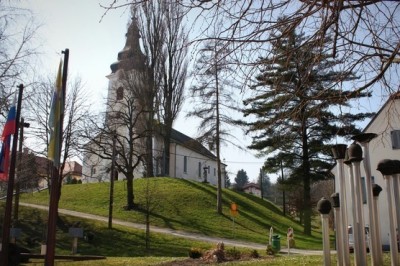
[(306, 181), (217, 142), (129, 195)]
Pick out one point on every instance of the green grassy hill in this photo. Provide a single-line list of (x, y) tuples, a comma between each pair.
[(184, 205)]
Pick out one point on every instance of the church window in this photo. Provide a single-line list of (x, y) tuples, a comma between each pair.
[(395, 135), (185, 164), (120, 93)]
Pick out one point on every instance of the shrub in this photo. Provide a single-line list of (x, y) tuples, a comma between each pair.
[(270, 251), (254, 254), (233, 253), (195, 253)]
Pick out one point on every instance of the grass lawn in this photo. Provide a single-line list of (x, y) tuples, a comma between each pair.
[(184, 205), (265, 261)]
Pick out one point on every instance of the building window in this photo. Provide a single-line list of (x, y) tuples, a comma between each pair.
[(199, 170), (120, 93), (215, 172), (395, 135), (92, 171), (185, 164)]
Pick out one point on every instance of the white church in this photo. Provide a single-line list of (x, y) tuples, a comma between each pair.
[(188, 158)]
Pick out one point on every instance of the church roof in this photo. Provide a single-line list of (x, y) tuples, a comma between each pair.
[(131, 57), (192, 144)]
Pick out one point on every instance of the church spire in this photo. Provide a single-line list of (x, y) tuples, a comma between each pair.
[(131, 57)]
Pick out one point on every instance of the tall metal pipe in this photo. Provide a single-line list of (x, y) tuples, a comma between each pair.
[(376, 189), (339, 153), (364, 140), (324, 207), (339, 228), (355, 156), (386, 167), (353, 209), (396, 192)]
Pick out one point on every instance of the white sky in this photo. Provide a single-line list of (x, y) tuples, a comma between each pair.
[(94, 45)]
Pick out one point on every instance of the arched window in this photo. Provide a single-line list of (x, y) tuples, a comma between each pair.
[(120, 93)]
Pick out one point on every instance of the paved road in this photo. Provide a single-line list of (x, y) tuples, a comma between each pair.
[(183, 234)]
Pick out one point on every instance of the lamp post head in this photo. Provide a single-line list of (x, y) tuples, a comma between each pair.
[(355, 153), (339, 151), (376, 189), (346, 158), (364, 137), (386, 167), (324, 206)]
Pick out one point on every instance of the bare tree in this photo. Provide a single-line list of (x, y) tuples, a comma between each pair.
[(17, 32), (124, 120), (150, 23), (37, 114), (366, 33), (173, 72)]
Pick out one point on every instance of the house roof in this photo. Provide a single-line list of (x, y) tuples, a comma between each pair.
[(249, 185), (192, 144), (394, 96)]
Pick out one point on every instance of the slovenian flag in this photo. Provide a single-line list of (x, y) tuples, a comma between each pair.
[(9, 129)]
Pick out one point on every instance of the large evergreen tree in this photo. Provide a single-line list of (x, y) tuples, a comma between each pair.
[(294, 105), (241, 179)]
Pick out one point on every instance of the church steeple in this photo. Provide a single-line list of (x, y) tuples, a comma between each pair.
[(131, 57)]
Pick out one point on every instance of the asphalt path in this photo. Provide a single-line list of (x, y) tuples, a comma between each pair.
[(178, 233)]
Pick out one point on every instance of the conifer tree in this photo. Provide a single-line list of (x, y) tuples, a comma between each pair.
[(298, 109), (212, 98)]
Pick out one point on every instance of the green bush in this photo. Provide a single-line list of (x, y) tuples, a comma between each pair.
[(254, 254), (195, 253), (233, 253)]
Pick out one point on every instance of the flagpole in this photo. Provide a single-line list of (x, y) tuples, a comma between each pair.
[(55, 182), (10, 186)]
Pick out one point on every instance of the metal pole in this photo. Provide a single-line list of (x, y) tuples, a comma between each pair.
[(324, 207), (10, 186), (339, 228), (376, 189), (354, 213), (393, 241), (360, 215), (364, 140), (355, 157), (386, 167), (55, 183)]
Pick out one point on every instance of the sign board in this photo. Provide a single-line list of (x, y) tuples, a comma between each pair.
[(75, 232), (234, 209), (290, 233)]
